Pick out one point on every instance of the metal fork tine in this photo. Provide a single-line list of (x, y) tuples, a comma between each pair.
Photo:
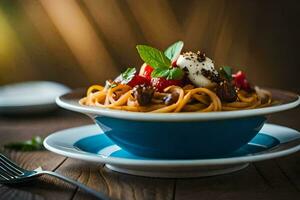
[(12, 169), (7, 160), (9, 169), (9, 172), (3, 177), (12, 165), (5, 174)]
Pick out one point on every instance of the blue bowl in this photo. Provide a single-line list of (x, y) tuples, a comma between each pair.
[(159, 135), (181, 139)]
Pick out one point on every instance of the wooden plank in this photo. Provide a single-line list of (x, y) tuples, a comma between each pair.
[(86, 173), (289, 166), (19, 128), (245, 184), (283, 177), (116, 185), (42, 187), (229, 186)]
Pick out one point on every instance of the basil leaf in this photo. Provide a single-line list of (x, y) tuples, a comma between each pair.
[(226, 71), (170, 74), (126, 76), (157, 73), (161, 62), (153, 57), (175, 73), (36, 143), (173, 51), (129, 73)]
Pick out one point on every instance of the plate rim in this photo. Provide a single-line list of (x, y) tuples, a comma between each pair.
[(46, 102), (169, 163), (73, 105)]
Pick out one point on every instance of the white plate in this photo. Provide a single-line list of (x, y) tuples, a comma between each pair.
[(274, 141), (29, 97)]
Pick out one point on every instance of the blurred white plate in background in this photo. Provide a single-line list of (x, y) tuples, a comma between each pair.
[(30, 97)]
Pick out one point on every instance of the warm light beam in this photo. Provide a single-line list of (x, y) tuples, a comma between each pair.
[(78, 33)]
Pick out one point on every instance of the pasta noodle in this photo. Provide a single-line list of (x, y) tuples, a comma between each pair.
[(189, 99)]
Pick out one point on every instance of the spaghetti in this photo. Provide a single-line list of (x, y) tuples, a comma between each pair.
[(189, 99)]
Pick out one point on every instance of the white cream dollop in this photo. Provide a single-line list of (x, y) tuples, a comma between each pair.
[(193, 64)]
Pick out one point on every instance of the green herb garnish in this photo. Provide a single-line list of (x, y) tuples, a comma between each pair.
[(170, 74), (160, 72), (110, 84), (173, 51), (126, 77), (161, 62), (113, 85), (226, 72), (175, 73), (153, 57), (36, 143)]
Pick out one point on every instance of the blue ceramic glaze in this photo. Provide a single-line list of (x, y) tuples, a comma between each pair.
[(180, 140), (97, 143)]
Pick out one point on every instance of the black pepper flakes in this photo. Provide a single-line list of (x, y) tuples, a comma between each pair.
[(211, 75), (186, 70), (201, 56)]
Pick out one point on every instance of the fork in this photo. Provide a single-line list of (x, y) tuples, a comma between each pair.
[(11, 173)]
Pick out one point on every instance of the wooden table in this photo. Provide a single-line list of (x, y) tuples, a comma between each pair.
[(272, 179)]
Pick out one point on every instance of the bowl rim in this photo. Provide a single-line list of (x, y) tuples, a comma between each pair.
[(73, 105)]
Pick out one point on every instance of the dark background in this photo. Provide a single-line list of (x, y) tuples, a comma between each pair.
[(82, 42)]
